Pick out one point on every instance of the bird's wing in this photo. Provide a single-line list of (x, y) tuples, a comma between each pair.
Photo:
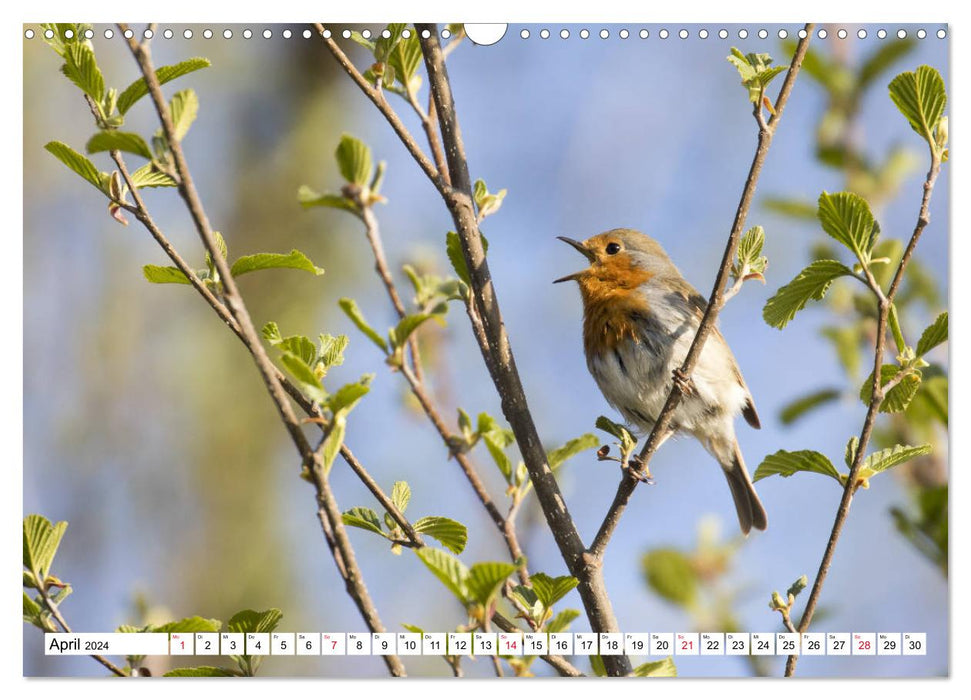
[(698, 305), (748, 411)]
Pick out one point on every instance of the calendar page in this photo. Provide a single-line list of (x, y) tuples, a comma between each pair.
[(356, 350)]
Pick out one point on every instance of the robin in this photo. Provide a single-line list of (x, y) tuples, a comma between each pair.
[(639, 319)]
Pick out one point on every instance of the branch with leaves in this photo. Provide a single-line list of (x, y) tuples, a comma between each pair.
[(167, 167), (742, 259), (846, 217)]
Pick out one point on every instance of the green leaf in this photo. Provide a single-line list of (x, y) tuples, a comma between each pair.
[(797, 209), (332, 350), (41, 540), (401, 495), (499, 456), (190, 624), (670, 574), (150, 176), (34, 614), (449, 570), (933, 335), (138, 89), (881, 59), (77, 162), (663, 668), (158, 274), (299, 369), (750, 247), (253, 621), (921, 98), (354, 313), (597, 666), (199, 672), (572, 448), (627, 441), (405, 58), (852, 445), (310, 198), (798, 586), (485, 579), (809, 284), (561, 622), (846, 216), (891, 457), (550, 590), (294, 260), (383, 46), (406, 326), (345, 398), (453, 247), (364, 518), (900, 396), (796, 409), (81, 68), (451, 533), (300, 346), (333, 440), (185, 108), (354, 160), (486, 202), (846, 342), (786, 463), (271, 333), (113, 140), (934, 394), (755, 71)]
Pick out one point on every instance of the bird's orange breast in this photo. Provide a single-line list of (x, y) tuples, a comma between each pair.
[(611, 303)]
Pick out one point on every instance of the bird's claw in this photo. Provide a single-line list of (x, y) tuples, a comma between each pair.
[(683, 381), (637, 469)]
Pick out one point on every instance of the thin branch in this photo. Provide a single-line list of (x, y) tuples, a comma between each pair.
[(876, 398), (414, 539), (56, 613), (329, 513), (416, 382), (379, 100), (471, 474), (353, 579), (373, 233), (431, 132), (715, 303)]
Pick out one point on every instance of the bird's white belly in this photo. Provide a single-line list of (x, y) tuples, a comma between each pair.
[(637, 381)]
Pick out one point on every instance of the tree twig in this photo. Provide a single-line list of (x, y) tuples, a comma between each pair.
[(56, 613), (877, 395), (327, 511), (715, 303), (379, 100)]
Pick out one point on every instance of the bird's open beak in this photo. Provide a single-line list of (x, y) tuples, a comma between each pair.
[(582, 249)]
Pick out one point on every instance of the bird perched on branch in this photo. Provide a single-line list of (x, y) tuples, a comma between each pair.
[(639, 319)]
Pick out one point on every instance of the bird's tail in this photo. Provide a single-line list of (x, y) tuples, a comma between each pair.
[(747, 504)]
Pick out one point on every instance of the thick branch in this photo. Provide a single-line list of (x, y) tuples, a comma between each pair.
[(498, 356), (715, 303), (876, 398)]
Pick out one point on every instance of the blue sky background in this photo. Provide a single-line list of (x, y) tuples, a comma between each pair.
[(586, 135)]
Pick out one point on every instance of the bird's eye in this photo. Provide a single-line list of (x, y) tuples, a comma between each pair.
[(613, 248)]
